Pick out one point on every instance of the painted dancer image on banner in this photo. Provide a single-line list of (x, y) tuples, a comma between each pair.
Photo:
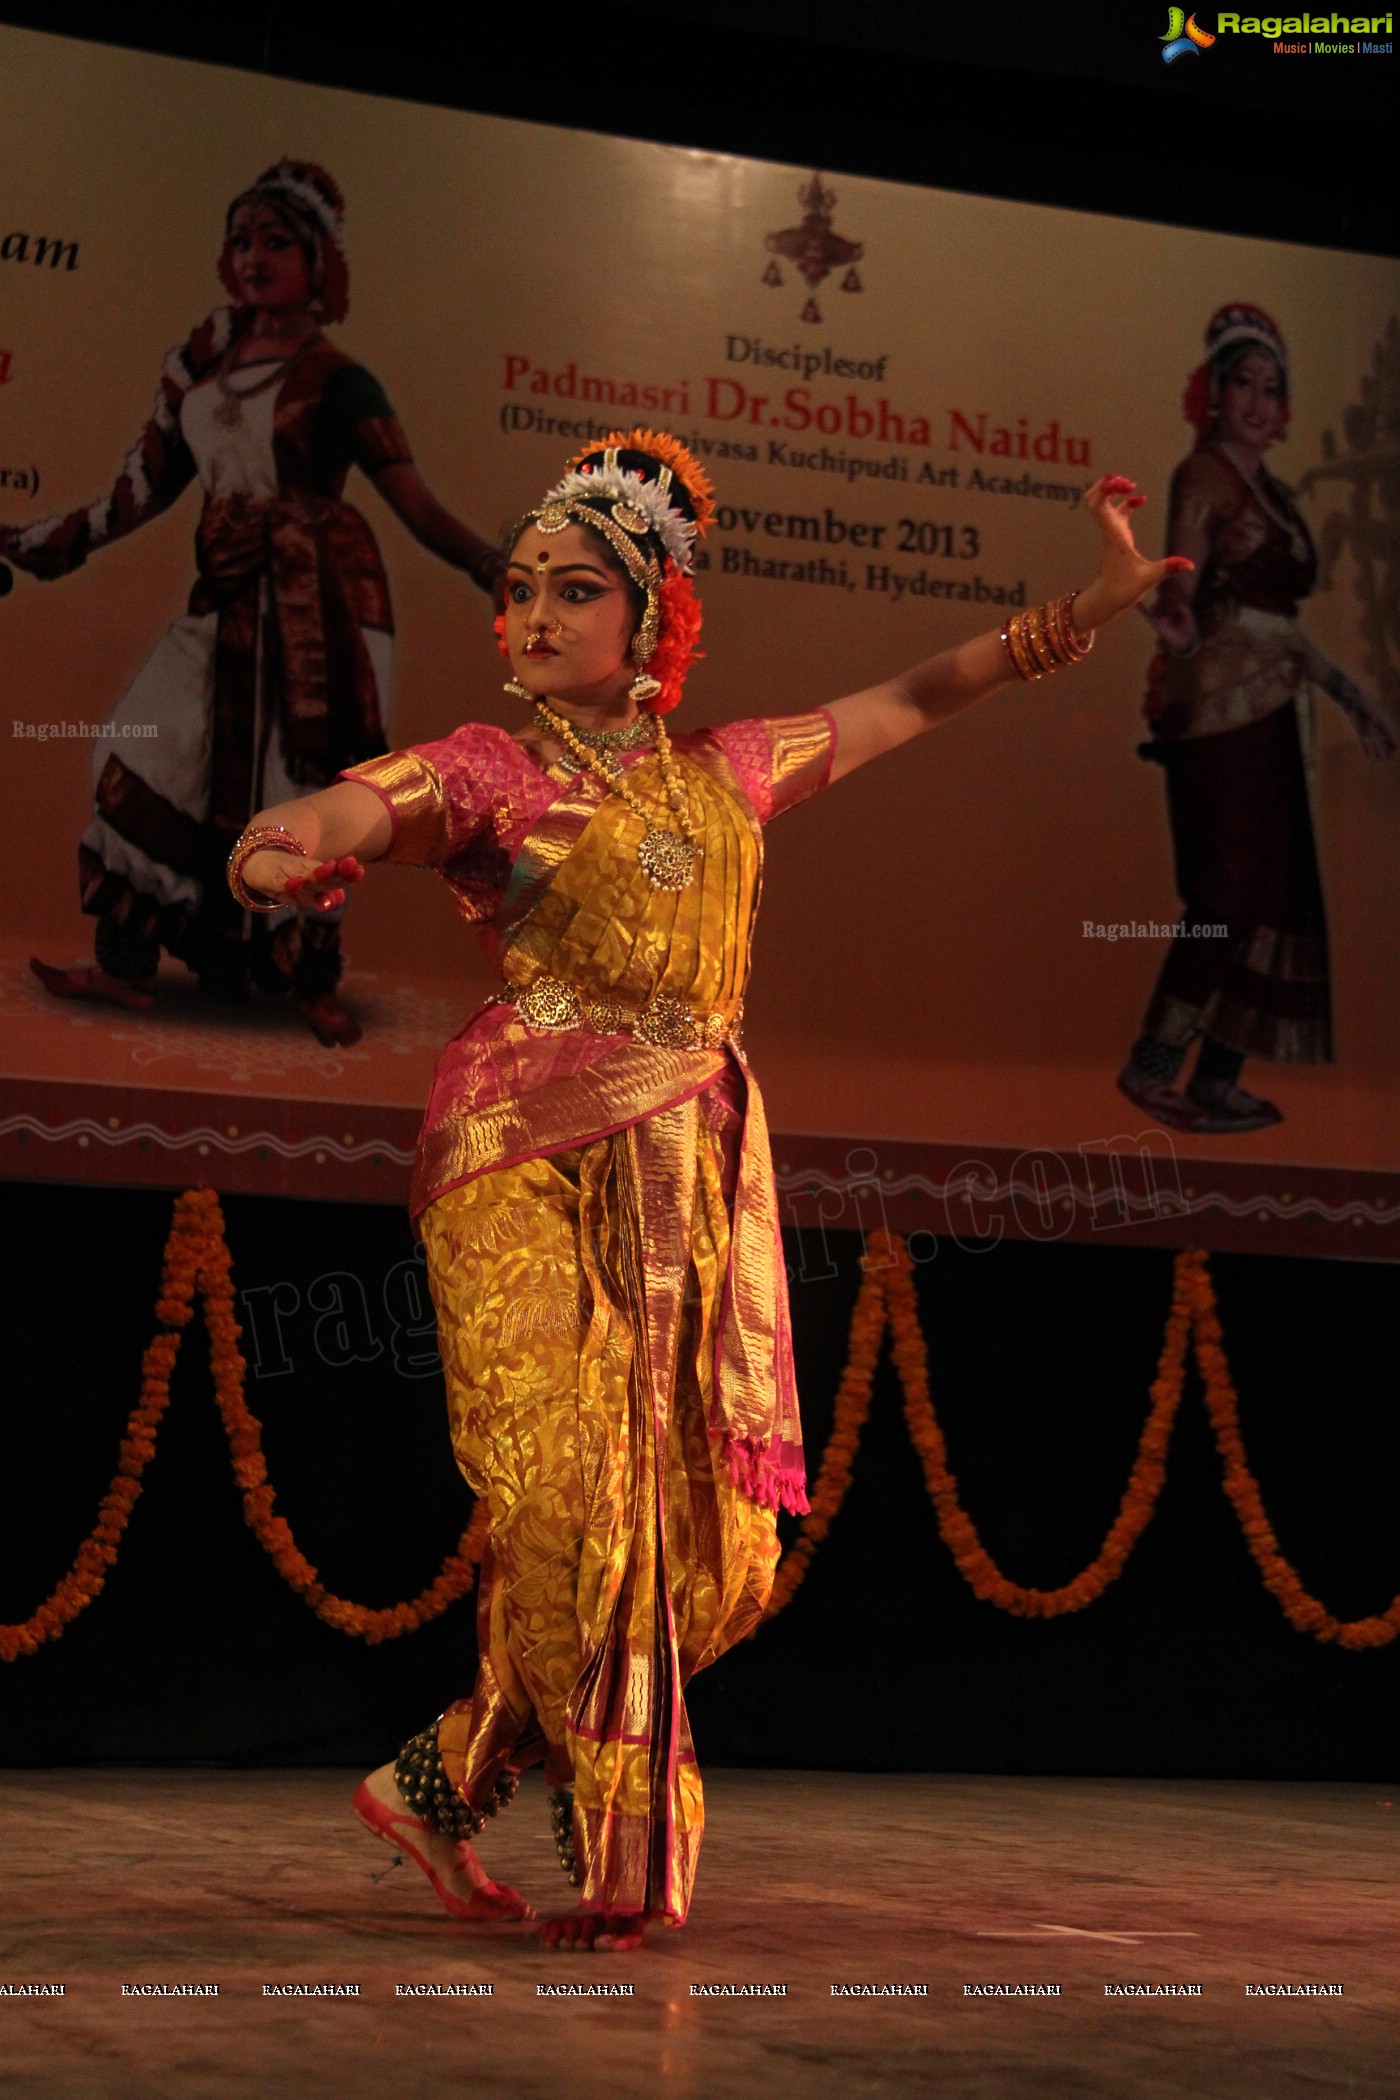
[(279, 673), (1247, 975), (962, 946)]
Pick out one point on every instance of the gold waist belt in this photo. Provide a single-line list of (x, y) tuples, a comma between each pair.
[(665, 1022)]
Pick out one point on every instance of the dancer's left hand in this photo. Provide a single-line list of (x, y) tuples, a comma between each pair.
[(1124, 575)]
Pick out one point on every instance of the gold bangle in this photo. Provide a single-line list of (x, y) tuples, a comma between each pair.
[(1039, 642), (1081, 644), (1054, 615), (1021, 635), (260, 838), (1071, 643), (1021, 649)]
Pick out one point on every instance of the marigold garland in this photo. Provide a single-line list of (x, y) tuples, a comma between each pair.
[(1303, 1611), (98, 1552), (887, 1297), (852, 1407), (197, 1257)]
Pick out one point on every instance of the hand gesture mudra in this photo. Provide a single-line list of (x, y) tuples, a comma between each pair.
[(295, 878), (1125, 576)]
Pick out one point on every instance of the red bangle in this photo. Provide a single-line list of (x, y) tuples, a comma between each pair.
[(260, 838)]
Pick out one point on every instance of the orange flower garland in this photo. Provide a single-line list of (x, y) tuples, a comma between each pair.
[(98, 1552), (1303, 1611), (196, 1255), (852, 1407), (197, 1258), (887, 1295), (244, 1432), (974, 1563)]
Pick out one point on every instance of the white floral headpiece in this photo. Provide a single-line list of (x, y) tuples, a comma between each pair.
[(647, 499)]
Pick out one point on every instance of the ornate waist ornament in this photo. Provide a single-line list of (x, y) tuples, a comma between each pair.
[(665, 1022)]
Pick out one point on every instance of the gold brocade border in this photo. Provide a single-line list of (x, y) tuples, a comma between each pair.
[(197, 1260), (629, 1082), (411, 789)]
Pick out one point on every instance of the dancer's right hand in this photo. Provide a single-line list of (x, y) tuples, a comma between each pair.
[(309, 885)]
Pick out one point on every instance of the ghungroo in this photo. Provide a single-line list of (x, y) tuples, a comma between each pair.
[(429, 1793), (561, 1816)]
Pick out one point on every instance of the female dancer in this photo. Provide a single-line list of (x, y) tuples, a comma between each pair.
[(593, 1183), (1223, 694), (279, 674)]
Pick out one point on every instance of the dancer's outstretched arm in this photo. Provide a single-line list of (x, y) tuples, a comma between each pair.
[(339, 828), (886, 715)]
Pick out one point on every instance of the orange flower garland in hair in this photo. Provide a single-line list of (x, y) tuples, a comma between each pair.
[(1303, 1611), (659, 444)]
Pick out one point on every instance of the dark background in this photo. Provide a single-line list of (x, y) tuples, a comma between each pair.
[(1042, 1355), (1041, 1358), (1057, 104)]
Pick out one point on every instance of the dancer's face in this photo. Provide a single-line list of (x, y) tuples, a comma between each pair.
[(569, 619), (268, 261), (1252, 402)]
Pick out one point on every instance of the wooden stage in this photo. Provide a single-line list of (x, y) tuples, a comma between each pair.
[(114, 1878)]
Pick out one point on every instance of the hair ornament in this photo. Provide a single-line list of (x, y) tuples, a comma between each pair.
[(676, 460), (315, 191), (1231, 328), (1242, 323), (639, 506), (311, 200)]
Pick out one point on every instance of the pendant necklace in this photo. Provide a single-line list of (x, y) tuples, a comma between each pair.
[(667, 858), (228, 409)]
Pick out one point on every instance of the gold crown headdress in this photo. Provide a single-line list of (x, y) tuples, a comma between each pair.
[(635, 513)]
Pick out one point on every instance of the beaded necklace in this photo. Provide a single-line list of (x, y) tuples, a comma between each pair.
[(629, 738), (667, 858)]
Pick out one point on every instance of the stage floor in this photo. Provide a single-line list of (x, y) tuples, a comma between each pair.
[(807, 1880)]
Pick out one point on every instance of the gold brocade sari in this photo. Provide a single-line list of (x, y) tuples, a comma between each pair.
[(603, 1249)]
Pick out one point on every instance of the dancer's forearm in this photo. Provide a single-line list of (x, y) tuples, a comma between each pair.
[(339, 822)]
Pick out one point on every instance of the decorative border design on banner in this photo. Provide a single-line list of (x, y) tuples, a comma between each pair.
[(1125, 1191), (149, 1137)]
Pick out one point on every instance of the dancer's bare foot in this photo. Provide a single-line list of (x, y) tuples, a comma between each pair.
[(593, 1931), (461, 1883), (87, 981), (333, 1025)]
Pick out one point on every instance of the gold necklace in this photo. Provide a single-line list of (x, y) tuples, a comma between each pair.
[(228, 410), (628, 738), (667, 858)]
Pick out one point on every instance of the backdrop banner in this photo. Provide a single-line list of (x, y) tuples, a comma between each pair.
[(902, 396)]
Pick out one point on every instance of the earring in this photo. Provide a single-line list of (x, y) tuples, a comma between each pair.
[(515, 689), (644, 687)]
